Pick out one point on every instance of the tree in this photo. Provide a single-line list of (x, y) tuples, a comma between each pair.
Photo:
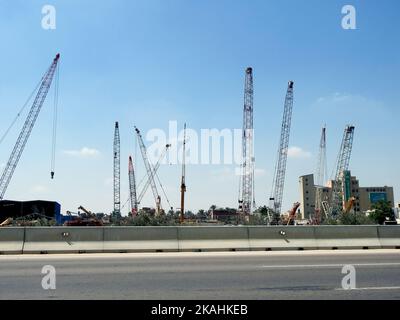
[(355, 219), (382, 211)]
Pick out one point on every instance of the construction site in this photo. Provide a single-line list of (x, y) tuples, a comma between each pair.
[(322, 200)]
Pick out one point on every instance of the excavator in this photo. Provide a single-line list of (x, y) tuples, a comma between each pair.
[(86, 219), (292, 214), (349, 205)]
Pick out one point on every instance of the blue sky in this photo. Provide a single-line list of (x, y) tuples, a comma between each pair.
[(145, 63)]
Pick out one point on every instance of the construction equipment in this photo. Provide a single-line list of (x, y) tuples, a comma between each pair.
[(28, 126), (280, 168), (117, 171), (320, 178), (150, 172), (246, 184), (87, 219), (183, 183), (153, 173), (349, 205), (292, 213), (342, 165), (6, 222), (132, 188)]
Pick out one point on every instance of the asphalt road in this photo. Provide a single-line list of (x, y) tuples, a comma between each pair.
[(233, 275)]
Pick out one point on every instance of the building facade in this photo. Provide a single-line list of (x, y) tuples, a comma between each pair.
[(365, 197)]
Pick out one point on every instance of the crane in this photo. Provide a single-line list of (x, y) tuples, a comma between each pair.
[(280, 169), (183, 183), (321, 175), (292, 213), (246, 184), (349, 204), (117, 171), (153, 173), (342, 165), (132, 188), (149, 170), (28, 126)]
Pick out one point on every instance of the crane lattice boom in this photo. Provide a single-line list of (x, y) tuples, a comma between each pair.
[(342, 165), (280, 169), (132, 187), (28, 126), (149, 170), (321, 176), (246, 194), (117, 171)]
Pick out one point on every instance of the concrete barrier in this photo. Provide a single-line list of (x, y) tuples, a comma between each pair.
[(11, 240), (389, 236), (347, 237), (63, 239), (213, 238), (137, 239), (282, 238), (200, 238)]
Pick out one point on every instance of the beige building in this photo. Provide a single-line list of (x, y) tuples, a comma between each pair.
[(365, 196)]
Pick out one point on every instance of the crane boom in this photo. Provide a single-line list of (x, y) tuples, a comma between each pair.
[(342, 165), (132, 187), (246, 185), (321, 175), (148, 168), (28, 126), (117, 171), (153, 173), (280, 169), (183, 177)]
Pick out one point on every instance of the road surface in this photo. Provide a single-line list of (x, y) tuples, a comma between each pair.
[(225, 275)]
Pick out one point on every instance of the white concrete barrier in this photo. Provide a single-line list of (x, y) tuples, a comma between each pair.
[(11, 240), (389, 236), (63, 239), (282, 237), (137, 239), (213, 238), (347, 237)]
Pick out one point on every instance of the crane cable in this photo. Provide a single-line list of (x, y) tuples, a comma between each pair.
[(20, 112), (55, 118)]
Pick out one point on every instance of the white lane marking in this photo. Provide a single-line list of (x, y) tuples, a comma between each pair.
[(338, 265), (370, 288)]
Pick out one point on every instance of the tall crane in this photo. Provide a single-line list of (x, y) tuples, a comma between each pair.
[(132, 188), (280, 169), (246, 184), (28, 126), (320, 177), (183, 177), (153, 173), (342, 165), (149, 170), (117, 171)]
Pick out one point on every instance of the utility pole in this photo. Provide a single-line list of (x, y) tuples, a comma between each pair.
[(27, 128), (280, 169), (183, 184), (246, 184), (117, 172)]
